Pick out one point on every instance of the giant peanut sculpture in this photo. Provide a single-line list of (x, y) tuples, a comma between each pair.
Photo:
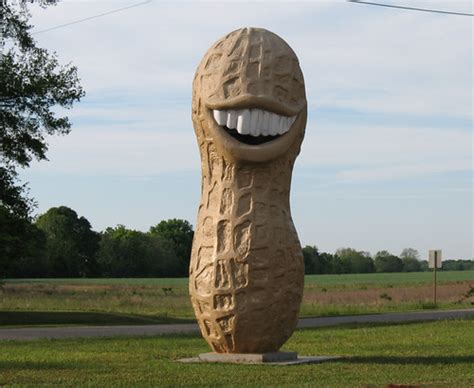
[(249, 115)]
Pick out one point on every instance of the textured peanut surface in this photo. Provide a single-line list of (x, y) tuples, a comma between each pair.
[(247, 270), (251, 61)]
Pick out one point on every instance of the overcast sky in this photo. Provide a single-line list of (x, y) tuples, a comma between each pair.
[(387, 158)]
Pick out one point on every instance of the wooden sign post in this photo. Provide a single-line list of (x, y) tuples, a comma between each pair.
[(434, 261)]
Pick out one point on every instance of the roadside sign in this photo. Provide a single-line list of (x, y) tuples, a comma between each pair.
[(434, 256)]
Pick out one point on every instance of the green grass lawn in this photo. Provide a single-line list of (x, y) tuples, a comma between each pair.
[(436, 354), (140, 301)]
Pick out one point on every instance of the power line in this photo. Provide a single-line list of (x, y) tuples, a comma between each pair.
[(411, 8), (91, 17)]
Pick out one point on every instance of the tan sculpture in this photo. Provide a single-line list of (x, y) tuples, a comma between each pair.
[(249, 115)]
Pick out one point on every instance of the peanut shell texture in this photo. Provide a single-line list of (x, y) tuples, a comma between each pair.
[(246, 272)]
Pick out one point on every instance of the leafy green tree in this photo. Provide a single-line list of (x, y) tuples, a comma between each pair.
[(316, 262), (410, 259), (424, 265), (308, 256), (411, 265), (32, 84), (410, 253), (362, 263), (22, 247), (355, 261), (458, 265), (180, 233), (131, 253), (13, 196), (386, 262), (338, 265), (71, 244)]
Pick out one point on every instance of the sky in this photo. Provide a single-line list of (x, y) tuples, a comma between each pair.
[(387, 159)]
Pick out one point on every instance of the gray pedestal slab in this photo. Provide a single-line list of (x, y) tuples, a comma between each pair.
[(277, 358)]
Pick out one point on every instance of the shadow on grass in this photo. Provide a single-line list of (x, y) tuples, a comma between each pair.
[(410, 360), (31, 318)]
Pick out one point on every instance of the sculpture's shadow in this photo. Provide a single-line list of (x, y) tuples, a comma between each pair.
[(29, 318)]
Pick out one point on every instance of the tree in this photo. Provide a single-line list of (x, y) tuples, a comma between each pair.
[(409, 253), (17, 235), (411, 265), (309, 253), (424, 266), (22, 247), (386, 262), (131, 253), (180, 233), (13, 196), (71, 243), (355, 261), (32, 83), (458, 265), (336, 264), (410, 259), (316, 262)]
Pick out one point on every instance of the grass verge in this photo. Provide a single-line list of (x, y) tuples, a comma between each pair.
[(423, 354)]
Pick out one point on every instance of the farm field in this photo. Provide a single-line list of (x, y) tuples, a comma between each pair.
[(423, 354), (146, 301)]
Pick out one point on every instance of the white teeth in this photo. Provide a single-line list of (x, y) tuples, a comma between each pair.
[(275, 124), (243, 122), (232, 119), (220, 116), (254, 122), (265, 128)]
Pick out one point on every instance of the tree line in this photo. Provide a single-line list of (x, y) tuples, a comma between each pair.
[(60, 243), (349, 260)]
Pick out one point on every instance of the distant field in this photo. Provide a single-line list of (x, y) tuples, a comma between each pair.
[(434, 354), (128, 301), (383, 279), (318, 280)]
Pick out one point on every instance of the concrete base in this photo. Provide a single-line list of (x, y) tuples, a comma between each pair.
[(277, 358)]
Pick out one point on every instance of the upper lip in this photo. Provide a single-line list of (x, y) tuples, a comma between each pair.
[(248, 101)]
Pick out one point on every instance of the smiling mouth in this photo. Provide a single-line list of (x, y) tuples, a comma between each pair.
[(253, 126)]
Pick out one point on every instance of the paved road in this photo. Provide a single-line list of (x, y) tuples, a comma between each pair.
[(192, 328)]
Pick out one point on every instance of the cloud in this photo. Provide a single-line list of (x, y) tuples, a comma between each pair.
[(353, 57), (353, 153), (121, 151), (375, 153), (397, 172), (137, 67)]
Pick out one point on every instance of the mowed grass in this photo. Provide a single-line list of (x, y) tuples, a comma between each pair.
[(423, 354), (146, 301)]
